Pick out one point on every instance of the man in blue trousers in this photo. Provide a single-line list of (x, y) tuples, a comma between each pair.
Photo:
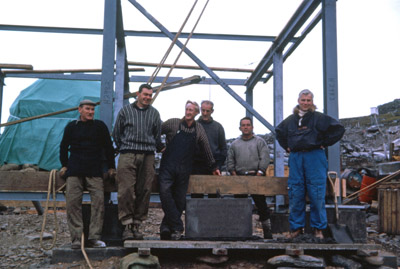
[(305, 134)]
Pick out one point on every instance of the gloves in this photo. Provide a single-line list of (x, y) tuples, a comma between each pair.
[(63, 172)]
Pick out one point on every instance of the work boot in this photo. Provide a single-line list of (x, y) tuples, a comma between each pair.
[(296, 233), (177, 235), (94, 243), (318, 234), (128, 232), (76, 244), (165, 234), (137, 235), (266, 226)]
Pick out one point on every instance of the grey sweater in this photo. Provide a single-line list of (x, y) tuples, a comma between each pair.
[(248, 155)]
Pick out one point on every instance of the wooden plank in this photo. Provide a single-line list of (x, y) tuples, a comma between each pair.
[(17, 181), (380, 209), (393, 213), (269, 186)]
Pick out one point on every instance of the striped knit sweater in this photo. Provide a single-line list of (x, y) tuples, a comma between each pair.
[(137, 130), (171, 127)]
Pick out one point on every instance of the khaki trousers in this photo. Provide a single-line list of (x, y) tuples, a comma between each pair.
[(135, 174), (75, 188)]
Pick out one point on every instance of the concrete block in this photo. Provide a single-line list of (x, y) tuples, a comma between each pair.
[(218, 218)]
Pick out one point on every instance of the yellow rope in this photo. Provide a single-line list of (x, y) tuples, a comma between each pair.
[(51, 186), (158, 68), (179, 55), (84, 252)]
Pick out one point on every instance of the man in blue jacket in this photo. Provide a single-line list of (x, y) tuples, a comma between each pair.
[(305, 134)]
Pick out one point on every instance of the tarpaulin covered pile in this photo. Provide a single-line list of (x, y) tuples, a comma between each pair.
[(37, 141)]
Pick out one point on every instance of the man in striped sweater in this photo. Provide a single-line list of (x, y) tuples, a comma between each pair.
[(182, 137), (137, 136)]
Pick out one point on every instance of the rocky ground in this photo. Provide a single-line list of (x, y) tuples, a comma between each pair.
[(20, 242)]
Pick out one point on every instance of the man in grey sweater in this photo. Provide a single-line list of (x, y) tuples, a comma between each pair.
[(249, 155), (137, 135)]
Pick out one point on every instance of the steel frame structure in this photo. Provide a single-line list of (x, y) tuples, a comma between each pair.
[(115, 64)]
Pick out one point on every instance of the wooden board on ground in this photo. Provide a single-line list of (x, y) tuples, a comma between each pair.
[(268, 186)]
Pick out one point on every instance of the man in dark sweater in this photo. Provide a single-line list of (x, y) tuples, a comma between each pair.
[(87, 141), (137, 136), (182, 136), (216, 138)]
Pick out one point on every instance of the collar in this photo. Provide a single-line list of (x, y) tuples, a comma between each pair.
[(241, 137), (203, 121), (140, 108)]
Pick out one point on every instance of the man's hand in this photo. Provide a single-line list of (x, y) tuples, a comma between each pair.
[(216, 172), (233, 173), (62, 172), (111, 173)]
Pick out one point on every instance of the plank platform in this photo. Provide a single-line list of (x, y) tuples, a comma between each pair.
[(244, 245)]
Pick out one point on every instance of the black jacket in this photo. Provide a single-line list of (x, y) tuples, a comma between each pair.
[(313, 131), (88, 143)]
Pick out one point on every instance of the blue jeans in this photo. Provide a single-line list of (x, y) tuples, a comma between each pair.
[(307, 176)]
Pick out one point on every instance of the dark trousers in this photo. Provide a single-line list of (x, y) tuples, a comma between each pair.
[(174, 181), (261, 205)]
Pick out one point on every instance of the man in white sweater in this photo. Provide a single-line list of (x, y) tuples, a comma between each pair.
[(249, 155)]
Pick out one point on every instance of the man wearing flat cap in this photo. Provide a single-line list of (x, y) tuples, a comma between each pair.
[(88, 141)]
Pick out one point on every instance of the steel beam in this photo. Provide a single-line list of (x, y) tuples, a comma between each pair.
[(203, 66), (301, 15), (92, 77), (107, 75), (300, 39), (89, 31), (330, 74)]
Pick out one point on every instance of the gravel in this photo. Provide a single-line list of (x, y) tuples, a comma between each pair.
[(20, 242)]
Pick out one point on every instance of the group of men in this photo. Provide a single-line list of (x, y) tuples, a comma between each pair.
[(192, 147)]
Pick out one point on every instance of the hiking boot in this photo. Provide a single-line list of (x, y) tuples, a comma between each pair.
[(94, 243), (128, 233), (177, 235), (318, 234), (76, 244), (296, 233), (165, 234), (137, 235), (266, 226)]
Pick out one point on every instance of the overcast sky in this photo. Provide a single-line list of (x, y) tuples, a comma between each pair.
[(368, 51)]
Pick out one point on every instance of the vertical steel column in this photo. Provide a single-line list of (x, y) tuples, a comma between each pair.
[(249, 100), (278, 111), (330, 74), (107, 75), (122, 73), (279, 164)]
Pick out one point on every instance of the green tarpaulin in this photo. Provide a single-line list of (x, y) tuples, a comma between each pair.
[(37, 141)]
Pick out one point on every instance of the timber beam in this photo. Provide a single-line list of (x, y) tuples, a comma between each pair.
[(17, 181)]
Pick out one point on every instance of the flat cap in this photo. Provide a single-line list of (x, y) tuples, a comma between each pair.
[(87, 102)]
